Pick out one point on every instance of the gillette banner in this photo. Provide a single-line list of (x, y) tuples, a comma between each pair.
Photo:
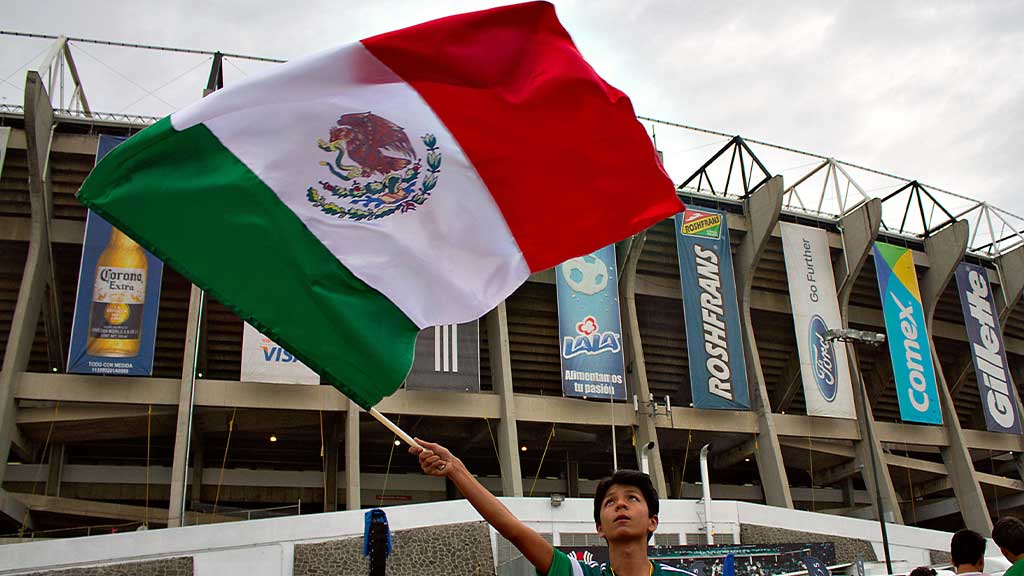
[(909, 349), (589, 326), (718, 374), (828, 389), (995, 385)]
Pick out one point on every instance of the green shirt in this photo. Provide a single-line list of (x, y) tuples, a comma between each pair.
[(562, 565), (1017, 569)]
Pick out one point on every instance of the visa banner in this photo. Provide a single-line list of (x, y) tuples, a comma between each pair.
[(589, 326), (718, 373), (824, 369), (264, 361), (995, 385), (909, 349), (117, 301)]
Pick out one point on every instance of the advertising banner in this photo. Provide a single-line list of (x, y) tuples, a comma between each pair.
[(995, 385), (118, 299), (828, 388), (748, 559), (589, 326), (718, 374), (264, 361), (909, 349), (447, 358)]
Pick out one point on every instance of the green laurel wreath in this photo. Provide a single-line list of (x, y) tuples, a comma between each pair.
[(368, 194)]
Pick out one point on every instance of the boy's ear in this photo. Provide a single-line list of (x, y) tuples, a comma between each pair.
[(652, 523), (600, 531)]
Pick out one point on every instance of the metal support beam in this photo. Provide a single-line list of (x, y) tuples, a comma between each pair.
[(353, 489), (762, 209), (501, 381), (945, 250), (636, 371), (38, 122)]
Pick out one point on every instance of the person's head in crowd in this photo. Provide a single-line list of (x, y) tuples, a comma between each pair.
[(1008, 532), (968, 551), (923, 571)]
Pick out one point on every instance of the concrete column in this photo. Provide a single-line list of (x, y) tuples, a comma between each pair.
[(636, 371), (572, 477), (197, 470), (183, 431), (501, 381), (1011, 286), (945, 250), (859, 229), (55, 468), (762, 209), (331, 462), (31, 293), (353, 489)]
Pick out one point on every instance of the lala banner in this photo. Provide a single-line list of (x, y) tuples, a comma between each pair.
[(447, 358), (907, 334), (117, 300), (828, 388), (995, 385), (589, 326), (718, 373), (264, 361)]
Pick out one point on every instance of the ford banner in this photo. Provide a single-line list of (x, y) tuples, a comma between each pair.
[(998, 399), (718, 374), (589, 327), (824, 367), (909, 348)]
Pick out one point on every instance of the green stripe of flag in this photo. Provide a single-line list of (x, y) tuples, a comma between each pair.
[(198, 208)]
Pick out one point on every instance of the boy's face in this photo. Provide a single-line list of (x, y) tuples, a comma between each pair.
[(624, 514)]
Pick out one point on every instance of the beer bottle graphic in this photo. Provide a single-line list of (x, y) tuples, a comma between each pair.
[(118, 297)]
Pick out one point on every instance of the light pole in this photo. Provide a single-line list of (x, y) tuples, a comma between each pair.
[(874, 339)]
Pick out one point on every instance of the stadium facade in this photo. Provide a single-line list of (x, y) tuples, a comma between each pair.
[(91, 452)]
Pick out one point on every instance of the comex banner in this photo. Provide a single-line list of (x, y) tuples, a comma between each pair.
[(264, 361), (994, 383), (907, 335), (447, 358), (589, 326), (718, 374), (118, 298), (828, 389)]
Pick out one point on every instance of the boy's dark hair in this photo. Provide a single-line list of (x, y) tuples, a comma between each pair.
[(633, 478), (923, 571), (967, 547), (1008, 532)]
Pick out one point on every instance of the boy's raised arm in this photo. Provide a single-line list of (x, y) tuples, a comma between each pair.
[(436, 460)]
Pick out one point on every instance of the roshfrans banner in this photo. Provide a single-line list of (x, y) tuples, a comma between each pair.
[(117, 301), (447, 358), (828, 388), (589, 326), (718, 374), (907, 334), (995, 385), (264, 361)]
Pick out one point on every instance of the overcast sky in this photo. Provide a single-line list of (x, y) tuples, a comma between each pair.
[(932, 91)]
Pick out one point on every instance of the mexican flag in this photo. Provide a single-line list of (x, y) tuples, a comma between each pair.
[(344, 201)]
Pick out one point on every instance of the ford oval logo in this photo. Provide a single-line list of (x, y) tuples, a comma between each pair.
[(823, 358)]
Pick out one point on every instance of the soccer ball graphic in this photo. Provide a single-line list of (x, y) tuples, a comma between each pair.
[(586, 274)]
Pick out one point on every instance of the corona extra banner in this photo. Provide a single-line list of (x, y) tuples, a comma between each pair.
[(589, 326), (447, 358), (718, 374), (907, 334), (995, 385), (118, 299), (264, 361), (824, 368)]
